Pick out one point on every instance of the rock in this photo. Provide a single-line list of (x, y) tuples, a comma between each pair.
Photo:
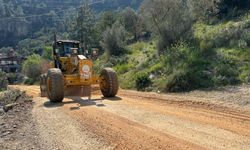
[(6, 133), (28, 100), (8, 107), (2, 111)]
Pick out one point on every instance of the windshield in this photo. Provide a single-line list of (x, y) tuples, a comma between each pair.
[(65, 48)]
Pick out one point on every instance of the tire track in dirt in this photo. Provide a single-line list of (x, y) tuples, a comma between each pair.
[(57, 130), (183, 128), (148, 121), (123, 133)]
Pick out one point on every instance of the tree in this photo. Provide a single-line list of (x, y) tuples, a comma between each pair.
[(85, 22), (203, 9), (170, 20), (132, 22), (113, 40), (32, 67), (108, 18), (47, 53), (231, 8)]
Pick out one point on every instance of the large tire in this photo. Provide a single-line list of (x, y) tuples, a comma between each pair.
[(109, 84), (43, 87), (55, 85)]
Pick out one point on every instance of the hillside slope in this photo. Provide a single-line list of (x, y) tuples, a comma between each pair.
[(218, 57), (22, 19)]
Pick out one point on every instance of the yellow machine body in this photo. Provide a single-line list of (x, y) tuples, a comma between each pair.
[(77, 79), (71, 74)]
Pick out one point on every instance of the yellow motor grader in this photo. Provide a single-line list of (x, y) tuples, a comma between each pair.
[(71, 74)]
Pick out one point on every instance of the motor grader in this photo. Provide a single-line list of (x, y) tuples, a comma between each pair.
[(71, 74)]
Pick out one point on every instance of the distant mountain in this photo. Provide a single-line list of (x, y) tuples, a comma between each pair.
[(116, 4), (20, 19)]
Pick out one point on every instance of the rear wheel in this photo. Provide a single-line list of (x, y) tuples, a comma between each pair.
[(55, 85), (109, 82)]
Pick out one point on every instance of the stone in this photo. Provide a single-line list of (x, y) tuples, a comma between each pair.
[(8, 107), (2, 111)]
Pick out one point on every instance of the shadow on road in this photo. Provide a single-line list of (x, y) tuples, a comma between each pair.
[(81, 102)]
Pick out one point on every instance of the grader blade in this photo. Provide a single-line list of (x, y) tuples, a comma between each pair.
[(82, 91)]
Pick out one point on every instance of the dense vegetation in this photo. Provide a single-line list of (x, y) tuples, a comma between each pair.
[(201, 46), (160, 45), (23, 23)]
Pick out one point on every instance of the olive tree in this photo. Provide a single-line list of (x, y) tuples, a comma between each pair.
[(132, 22), (170, 20), (114, 40), (203, 9), (84, 26)]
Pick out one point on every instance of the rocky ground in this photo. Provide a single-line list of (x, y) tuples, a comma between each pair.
[(17, 128)]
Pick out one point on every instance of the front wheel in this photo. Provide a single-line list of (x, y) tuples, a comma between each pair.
[(109, 82), (55, 85)]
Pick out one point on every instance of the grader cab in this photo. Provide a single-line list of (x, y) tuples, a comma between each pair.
[(71, 74)]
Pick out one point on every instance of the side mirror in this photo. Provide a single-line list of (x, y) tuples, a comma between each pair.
[(95, 52), (86, 52)]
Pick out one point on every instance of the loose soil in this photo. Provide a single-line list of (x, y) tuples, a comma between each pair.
[(17, 128), (137, 120)]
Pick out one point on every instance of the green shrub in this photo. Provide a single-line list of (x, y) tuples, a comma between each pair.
[(32, 67), (187, 69), (226, 72), (188, 79), (14, 78), (30, 81), (139, 46), (246, 38), (177, 81), (230, 34), (245, 73), (127, 81), (206, 44), (142, 81), (123, 68), (157, 68), (3, 81)]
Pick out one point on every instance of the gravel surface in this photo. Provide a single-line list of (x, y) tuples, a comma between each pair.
[(137, 120), (17, 128), (237, 97)]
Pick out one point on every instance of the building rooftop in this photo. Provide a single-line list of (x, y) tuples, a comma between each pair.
[(3, 55)]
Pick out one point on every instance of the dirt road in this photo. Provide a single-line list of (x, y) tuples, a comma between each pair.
[(136, 120)]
